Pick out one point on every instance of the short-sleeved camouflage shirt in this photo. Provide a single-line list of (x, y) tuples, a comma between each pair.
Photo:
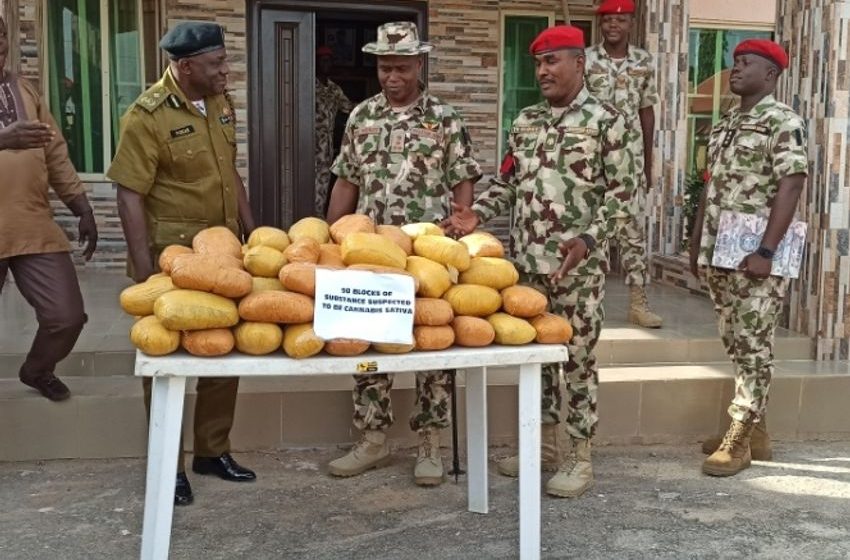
[(405, 163), (564, 175), (748, 153)]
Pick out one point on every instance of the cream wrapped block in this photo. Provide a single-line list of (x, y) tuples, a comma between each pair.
[(217, 240), (138, 300), (148, 335), (191, 310), (490, 271), (433, 278), (483, 244), (351, 223), (390, 348), (414, 231), (346, 347), (511, 330), (270, 237), (372, 248), (473, 300), (443, 250), (258, 339), (300, 341), (264, 261), (311, 227), (207, 273)]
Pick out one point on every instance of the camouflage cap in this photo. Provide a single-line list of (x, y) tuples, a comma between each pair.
[(398, 38)]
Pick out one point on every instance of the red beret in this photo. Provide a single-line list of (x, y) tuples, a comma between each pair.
[(616, 7), (556, 38), (324, 51), (765, 48)]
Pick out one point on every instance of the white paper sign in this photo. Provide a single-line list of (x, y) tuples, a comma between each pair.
[(364, 305)]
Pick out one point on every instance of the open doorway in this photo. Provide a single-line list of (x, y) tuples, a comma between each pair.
[(283, 44)]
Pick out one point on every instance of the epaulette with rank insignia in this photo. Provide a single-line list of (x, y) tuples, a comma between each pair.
[(153, 98)]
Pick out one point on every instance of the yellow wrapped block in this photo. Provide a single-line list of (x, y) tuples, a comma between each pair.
[(270, 237), (300, 341), (443, 250), (397, 235), (390, 348), (139, 299), (305, 249), (432, 312), (311, 227), (470, 299), (483, 244), (378, 269), (264, 261), (552, 329), (149, 336), (208, 343), (473, 332), (371, 248), (166, 258), (352, 223), (346, 346), (523, 301), (276, 307), (258, 339), (191, 310), (206, 273), (259, 284), (433, 277), (414, 231), (490, 271), (217, 240), (511, 330)]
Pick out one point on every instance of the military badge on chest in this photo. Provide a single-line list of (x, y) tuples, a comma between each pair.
[(226, 116), (397, 140)]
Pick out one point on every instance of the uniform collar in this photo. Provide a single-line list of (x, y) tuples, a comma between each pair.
[(631, 55), (763, 105), (420, 105), (574, 105), (169, 82)]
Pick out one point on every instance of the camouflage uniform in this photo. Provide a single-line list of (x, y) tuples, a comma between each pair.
[(748, 155), (330, 100), (565, 176), (405, 164), (629, 86)]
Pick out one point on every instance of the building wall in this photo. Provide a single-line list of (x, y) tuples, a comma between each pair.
[(761, 12)]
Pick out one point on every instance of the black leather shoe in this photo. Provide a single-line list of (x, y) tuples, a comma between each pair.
[(50, 386), (224, 467), (183, 491)]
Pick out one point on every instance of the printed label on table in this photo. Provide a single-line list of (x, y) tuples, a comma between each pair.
[(364, 305)]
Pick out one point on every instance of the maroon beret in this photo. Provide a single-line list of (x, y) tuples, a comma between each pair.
[(764, 48), (556, 38)]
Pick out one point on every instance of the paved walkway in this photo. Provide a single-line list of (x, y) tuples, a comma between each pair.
[(649, 502)]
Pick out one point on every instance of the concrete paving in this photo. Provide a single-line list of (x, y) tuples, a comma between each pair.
[(649, 502)]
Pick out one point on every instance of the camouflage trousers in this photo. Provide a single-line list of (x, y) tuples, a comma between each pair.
[(748, 312), (323, 179), (373, 407), (631, 241), (579, 299)]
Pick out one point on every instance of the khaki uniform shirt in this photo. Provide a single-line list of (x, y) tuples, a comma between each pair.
[(628, 85), (748, 154), (182, 162), (26, 220), (405, 163), (564, 175)]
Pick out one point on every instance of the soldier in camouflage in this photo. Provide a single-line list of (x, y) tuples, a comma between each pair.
[(568, 173), (405, 154), (624, 76), (330, 100), (757, 164)]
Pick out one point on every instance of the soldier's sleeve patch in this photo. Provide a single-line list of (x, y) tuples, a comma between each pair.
[(183, 131)]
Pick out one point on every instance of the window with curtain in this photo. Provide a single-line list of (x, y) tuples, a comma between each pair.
[(94, 73), (519, 84)]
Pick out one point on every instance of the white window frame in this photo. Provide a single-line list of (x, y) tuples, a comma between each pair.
[(105, 74)]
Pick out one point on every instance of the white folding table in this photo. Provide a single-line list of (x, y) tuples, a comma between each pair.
[(169, 375)]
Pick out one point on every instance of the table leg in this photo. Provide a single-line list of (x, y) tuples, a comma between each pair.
[(529, 461), (476, 439), (166, 421)]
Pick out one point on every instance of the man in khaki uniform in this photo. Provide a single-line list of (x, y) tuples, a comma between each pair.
[(34, 159), (624, 76), (176, 172)]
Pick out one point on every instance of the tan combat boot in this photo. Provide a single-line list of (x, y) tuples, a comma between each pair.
[(733, 455), (368, 453), (639, 311), (550, 451), (575, 475), (429, 461), (760, 447)]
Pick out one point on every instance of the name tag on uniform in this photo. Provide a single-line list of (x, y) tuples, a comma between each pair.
[(757, 128), (180, 132), (637, 71), (525, 129), (584, 131), (397, 141), (366, 130), (425, 133)]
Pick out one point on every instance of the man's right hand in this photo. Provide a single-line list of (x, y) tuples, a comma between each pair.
[(25, 135), (142, 270), (463, 221)]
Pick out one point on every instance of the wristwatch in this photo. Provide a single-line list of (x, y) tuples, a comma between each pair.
[(765, 253)]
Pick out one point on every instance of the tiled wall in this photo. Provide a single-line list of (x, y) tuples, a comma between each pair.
[(816, 34)]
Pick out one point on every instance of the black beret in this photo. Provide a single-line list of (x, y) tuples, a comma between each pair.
[(191, 38)]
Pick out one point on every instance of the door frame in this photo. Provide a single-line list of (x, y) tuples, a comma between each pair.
[(267, 188)]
